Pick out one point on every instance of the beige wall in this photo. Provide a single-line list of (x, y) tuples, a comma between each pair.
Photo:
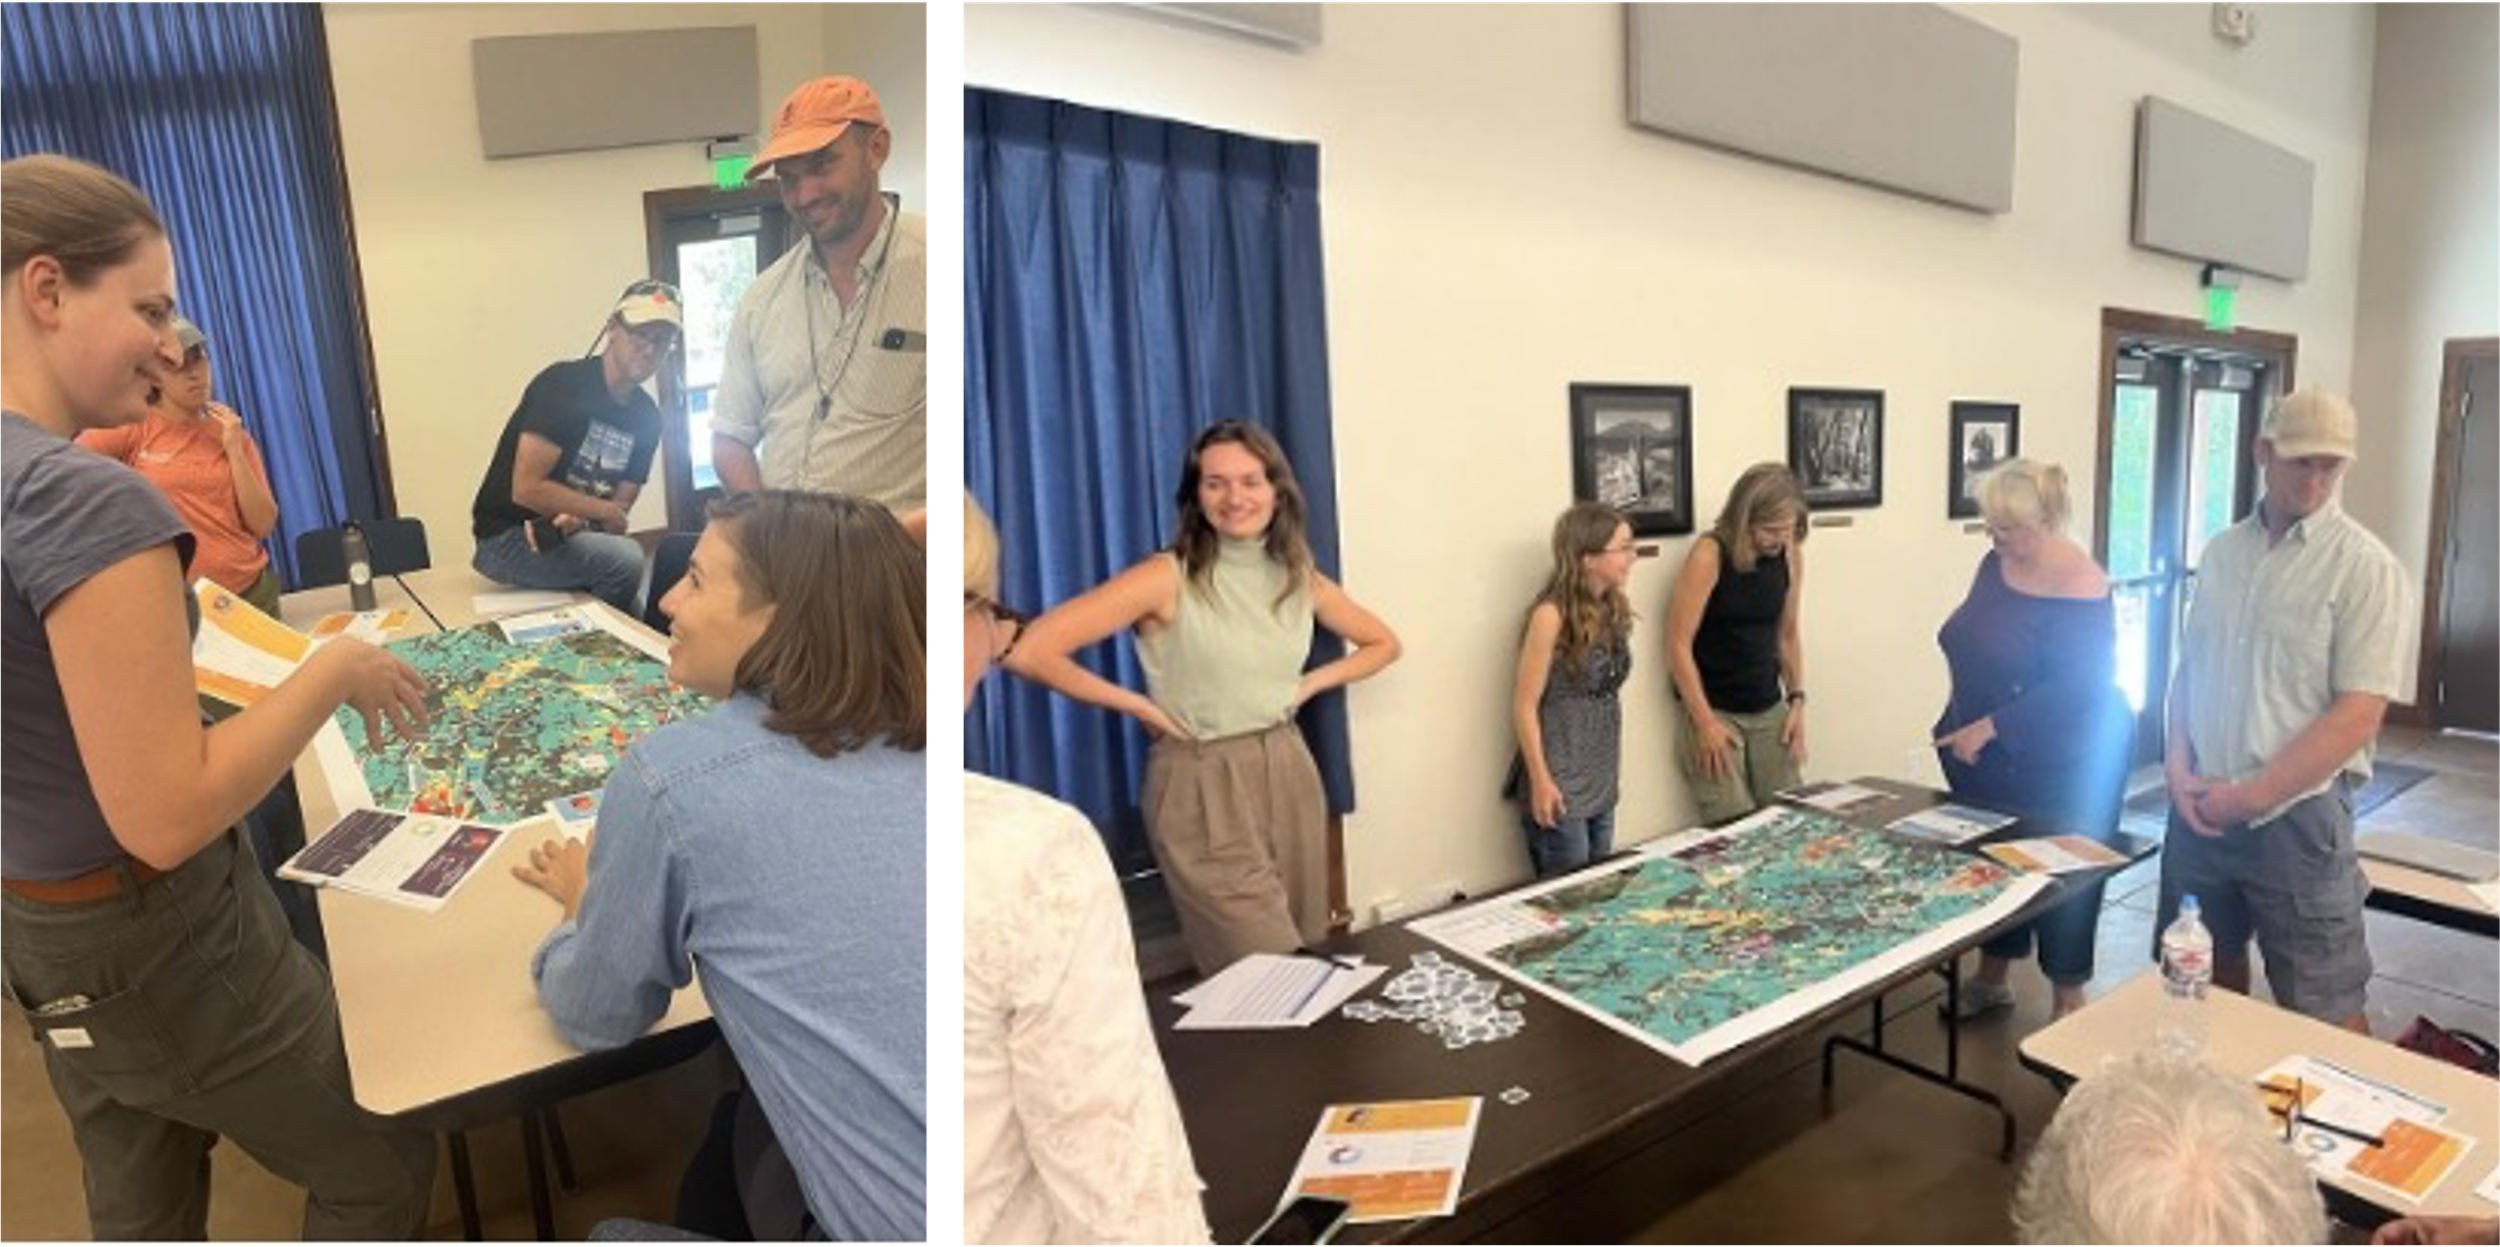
[(479, 273), (885, 45), (1496, 231), (2430, 248)]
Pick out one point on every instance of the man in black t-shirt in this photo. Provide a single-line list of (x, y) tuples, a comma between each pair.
[(551, 512)]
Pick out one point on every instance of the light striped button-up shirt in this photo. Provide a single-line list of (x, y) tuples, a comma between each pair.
[(836, 399), (2276, 634)]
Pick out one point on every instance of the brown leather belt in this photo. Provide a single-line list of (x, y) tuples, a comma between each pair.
[(101, 884)]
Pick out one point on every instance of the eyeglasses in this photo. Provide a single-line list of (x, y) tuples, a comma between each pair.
[(999, 613)]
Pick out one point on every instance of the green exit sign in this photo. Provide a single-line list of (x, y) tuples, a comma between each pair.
[(2222, 308), (730, 172)]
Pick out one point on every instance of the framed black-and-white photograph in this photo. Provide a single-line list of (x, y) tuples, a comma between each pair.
[(1836, 447), (1632, 449), (1984, 435)]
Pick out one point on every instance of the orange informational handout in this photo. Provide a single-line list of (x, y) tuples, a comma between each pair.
[(241, 654), (2351, 1127), (1391, 1160)]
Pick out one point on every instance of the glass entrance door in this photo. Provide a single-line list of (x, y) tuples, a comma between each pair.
[(2180, 425), (711, 244)]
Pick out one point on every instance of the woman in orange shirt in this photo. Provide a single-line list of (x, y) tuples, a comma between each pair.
[(198, 453)]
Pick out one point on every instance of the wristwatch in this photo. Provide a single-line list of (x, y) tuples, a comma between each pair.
[(1796, 697)]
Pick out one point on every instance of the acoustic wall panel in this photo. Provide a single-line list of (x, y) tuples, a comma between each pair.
[(1908, 97), (2209, 192), (1292, 25), (538, 94)]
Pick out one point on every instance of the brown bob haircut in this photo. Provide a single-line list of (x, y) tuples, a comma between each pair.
[(843, 661)]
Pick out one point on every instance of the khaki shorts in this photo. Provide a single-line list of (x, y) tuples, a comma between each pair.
[(1762, 767)]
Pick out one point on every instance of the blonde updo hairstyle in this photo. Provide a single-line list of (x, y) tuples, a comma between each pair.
[(2025, 492)]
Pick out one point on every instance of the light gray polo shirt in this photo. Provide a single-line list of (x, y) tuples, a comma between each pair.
[(836, 399), (2276, 635)]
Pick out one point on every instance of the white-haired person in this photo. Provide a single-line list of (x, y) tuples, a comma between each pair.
[(1071, 1134), (2154, 1148), (2035, 724)]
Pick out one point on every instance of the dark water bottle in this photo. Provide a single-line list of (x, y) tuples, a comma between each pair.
[(359, 568)]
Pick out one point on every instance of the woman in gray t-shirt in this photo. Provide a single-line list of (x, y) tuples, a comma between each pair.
[(142, 943)]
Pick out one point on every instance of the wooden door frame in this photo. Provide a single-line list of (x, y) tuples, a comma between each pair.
[(2454, 357), (2117, 324)]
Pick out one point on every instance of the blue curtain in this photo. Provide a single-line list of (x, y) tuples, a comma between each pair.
[(1127, 282), (223, 114)]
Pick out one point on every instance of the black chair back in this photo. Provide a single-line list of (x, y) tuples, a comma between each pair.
[(395, 546)]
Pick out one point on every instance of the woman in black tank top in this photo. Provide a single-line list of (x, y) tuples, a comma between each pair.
[(1733, 651)]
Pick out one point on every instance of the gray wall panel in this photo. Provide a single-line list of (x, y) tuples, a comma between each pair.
[(538, 94), (2208, 192), (1908, 97), (1292, 25)]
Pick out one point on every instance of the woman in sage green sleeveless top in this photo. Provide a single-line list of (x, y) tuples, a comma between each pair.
[(1232, 798)]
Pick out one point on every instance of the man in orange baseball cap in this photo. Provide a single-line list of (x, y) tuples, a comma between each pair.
[(825, 382)]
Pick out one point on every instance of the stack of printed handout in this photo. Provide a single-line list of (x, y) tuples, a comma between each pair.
[(417, 860), (1264, 991)]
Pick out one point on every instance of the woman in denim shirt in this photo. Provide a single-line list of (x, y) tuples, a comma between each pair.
[(779, 842)]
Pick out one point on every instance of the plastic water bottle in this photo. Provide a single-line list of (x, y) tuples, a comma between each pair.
[(2187, 970), (359, 568)]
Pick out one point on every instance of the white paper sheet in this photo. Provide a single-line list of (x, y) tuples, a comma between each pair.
[(1264, 991), (517, 601)]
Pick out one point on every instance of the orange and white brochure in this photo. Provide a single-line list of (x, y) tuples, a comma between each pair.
[(2055, 855), (373, 627), (1392, 1160), (241, 654)]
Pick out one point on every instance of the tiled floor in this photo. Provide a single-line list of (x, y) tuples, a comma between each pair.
[(1896, 1161)]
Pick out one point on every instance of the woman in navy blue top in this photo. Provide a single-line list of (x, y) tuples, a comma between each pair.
[(2036, 725)]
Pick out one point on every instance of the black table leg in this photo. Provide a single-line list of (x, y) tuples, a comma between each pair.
[(565, 1179), (464, 1186), (1950, 1079), (534, 1155)]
